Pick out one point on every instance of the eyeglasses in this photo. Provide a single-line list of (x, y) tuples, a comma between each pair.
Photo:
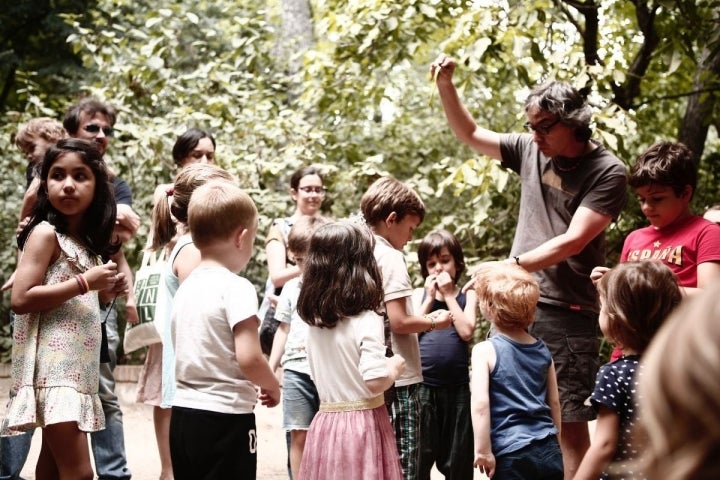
[(318, 190), (543, 130), (92, 128)]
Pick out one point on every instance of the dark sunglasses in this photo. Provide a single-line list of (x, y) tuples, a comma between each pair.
[(92, 128)]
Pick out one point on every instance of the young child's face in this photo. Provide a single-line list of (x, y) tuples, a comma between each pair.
[(401, 232), (661, 206), (37, 150), (442, 262), (70, 185), (299, 259)]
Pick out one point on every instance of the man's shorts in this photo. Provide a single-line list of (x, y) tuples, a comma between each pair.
[(573, 338)]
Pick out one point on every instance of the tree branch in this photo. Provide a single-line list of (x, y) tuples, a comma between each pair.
[(624, 94)]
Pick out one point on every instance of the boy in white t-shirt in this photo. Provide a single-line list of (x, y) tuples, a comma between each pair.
[(393, 211), (218, 360)]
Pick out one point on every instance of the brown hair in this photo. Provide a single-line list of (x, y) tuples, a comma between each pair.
[(387, 195), (301, 231), (190, 178), (507, 294), (637, 297), (671, 164), (341, 278)]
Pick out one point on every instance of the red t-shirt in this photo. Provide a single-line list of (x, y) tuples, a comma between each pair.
[(681, 246)]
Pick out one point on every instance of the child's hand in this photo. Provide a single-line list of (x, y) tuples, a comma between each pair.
[(396, 365), (445, 284), (270, 398), (118, 289), (486, 463), (9, 283), (430, 286), (443, 319), (597, 273), (102, 277)]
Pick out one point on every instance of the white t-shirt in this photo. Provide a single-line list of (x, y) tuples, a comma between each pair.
[(396, 284), (208, 304), (295, 356), (342, 358)]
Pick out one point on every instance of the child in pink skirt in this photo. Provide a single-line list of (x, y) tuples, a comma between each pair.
[(351, 437)]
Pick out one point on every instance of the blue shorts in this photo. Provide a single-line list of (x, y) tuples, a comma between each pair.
[(300, 400)]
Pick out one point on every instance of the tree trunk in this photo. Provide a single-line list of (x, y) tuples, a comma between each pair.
[(699, 113)]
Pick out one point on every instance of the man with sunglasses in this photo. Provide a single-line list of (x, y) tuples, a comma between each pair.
[(93, 120), (571, 189)]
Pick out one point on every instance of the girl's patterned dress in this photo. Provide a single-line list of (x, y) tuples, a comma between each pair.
[(56, 355)]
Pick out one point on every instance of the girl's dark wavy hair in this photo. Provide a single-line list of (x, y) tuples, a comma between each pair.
[(341, 277), (99, 219)]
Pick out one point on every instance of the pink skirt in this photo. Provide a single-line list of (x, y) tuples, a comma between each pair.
[(352, 445), (150, 382)]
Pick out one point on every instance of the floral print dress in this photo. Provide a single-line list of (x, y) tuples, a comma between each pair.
[(56, 355)]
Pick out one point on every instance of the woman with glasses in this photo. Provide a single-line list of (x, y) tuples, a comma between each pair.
[(572, 188), (307, 192)]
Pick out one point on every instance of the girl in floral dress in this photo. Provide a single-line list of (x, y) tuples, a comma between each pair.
[(59, 283)]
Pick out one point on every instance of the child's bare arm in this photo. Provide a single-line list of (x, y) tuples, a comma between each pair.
[(252, 361), (401, 322), (483, 356), (29, 294), (396, 366), (603, 446), (553, 397), (278, 346), (463, 319)]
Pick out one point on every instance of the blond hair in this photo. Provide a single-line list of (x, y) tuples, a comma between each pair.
[(41, 127), (679, 393), (189, 178), (216, 210), (507, 294)]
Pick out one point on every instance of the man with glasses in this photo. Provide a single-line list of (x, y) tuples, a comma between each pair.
[(572, 188)]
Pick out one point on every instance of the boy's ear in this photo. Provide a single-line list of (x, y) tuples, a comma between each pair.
[(392, 218), (687, 192), (241, 235)]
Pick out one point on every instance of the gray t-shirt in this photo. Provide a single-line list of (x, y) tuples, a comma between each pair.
[(548, 201)]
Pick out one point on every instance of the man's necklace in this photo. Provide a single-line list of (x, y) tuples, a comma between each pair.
[(563, 166), (566, 167)]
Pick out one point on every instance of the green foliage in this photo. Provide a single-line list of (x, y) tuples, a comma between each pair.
[(360, 107)]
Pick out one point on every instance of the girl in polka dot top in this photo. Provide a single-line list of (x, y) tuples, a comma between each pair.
[(635, 299)]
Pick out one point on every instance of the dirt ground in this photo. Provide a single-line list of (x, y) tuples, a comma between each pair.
[(140, 436)]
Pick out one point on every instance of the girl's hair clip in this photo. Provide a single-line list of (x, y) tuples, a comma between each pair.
[(169, 192)]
